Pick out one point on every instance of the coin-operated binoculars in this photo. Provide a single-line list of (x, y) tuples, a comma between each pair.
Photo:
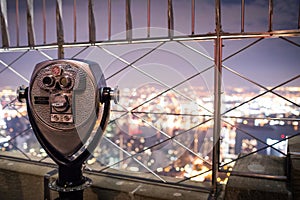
[(68, 106)]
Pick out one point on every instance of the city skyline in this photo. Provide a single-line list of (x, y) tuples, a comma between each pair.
[(139, 131)]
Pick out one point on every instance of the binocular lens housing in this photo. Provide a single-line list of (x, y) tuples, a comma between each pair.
[(48, 81), (64, 99)]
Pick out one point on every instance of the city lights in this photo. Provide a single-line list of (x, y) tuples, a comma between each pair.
[(145, 132)]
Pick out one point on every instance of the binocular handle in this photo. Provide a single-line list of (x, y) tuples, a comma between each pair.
[(107, 94), (21, 93)]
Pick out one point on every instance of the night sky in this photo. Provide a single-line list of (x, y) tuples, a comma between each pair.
[(269, 62)]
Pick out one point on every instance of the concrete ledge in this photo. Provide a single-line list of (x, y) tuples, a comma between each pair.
[(243, 188), (294, 166), (23, 180)]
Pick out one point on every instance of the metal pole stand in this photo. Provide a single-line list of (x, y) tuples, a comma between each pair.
[(70, 183), (52, 117)]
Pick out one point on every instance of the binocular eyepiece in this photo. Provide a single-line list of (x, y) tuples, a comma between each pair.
[(68, 105)]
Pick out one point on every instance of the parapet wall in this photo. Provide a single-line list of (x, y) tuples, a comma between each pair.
[(19, 180)]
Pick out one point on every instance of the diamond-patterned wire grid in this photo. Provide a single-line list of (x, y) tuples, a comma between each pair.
[(140, 129), (279, 99), (144, 150), (155, 152)]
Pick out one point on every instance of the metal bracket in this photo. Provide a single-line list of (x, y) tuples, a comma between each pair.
[(47, 177)]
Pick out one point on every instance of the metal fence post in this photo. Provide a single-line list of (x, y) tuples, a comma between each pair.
[(217, 98), (59, 29)]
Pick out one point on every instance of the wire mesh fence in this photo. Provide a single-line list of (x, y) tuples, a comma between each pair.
[(195, 91)]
